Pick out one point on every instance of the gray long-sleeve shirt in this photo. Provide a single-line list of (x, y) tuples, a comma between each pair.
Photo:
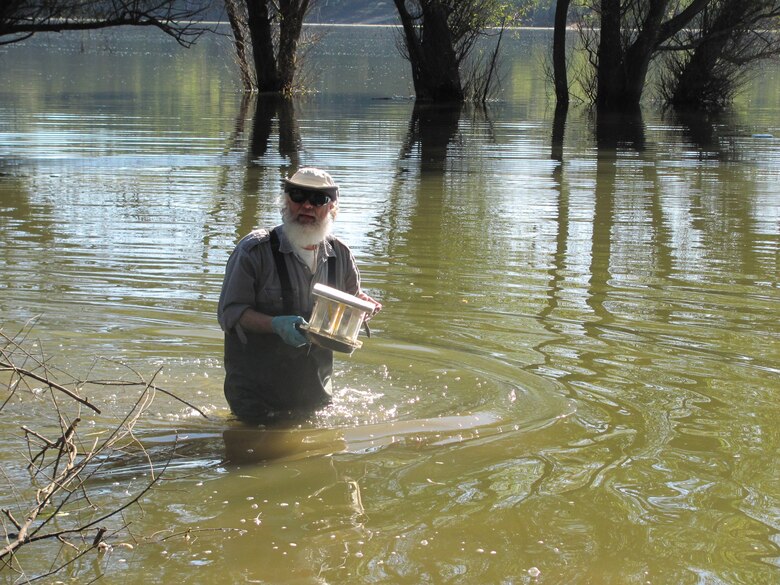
[(251, 280)]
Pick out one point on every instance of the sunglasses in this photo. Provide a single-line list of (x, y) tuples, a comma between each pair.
[(316, 198)]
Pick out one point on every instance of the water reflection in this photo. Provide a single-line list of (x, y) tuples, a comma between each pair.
[(282, 109), (260, 120), (267, 110), (558, 133), (432, 129), (615, 130), (555, 287), (257, 445), (440, 208), (700, 128), (602, 291)]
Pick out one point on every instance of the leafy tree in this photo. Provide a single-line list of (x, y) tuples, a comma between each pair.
[(21, 19), (719, 51), (707, 46), (622, 39), (439, 40)]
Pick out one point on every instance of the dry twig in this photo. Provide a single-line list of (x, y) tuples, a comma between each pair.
[(62, 468)]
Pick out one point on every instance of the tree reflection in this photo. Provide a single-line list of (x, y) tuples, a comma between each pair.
[(424, 221), (431, 130), (619, 130), (731, 229), (267, 108), (699, 129), (557, 270), (702, 129), (258, 189), (615, 133), (558, 133)]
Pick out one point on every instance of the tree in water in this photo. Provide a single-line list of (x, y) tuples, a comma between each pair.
[(560, 77), (273, 31), (623, 39), (719, 52), (439, 38)]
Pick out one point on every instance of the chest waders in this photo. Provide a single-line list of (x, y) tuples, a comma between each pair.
[(267, 379)]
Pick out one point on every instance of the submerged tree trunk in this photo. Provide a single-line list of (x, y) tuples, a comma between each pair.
[(431, 52), (261, 32), (559, 53), (609, 82), (274, 31), (631, 37)]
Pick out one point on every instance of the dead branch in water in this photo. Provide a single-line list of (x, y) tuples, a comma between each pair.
[(56, 501), (153, 387), (21, 374)]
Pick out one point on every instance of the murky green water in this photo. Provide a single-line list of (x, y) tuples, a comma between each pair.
[(574, 378)]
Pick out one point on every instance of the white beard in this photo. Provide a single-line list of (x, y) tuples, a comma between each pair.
[(305, 235)]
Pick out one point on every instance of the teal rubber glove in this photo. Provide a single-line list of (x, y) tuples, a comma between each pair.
[(285, 326)]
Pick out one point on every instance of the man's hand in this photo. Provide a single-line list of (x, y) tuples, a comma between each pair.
[(377, 304), (285, 326)]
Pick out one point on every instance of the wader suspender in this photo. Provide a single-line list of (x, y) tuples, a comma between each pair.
[(284, 275)]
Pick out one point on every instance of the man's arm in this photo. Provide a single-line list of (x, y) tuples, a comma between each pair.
[(255, 321)]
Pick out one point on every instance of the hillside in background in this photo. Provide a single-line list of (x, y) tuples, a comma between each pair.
[(535, 12), (383, 12), (353, 12)]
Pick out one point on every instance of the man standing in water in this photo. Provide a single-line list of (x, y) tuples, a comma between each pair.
[(271, 371)]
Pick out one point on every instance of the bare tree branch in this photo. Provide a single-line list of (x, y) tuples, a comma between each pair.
[(63, 471), (20, 19), (6, 365)]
